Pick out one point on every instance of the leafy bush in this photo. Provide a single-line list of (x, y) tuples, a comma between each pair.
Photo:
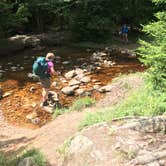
[(37, 157), (143, 102), (59, 111), (153, 52), (82, 103)]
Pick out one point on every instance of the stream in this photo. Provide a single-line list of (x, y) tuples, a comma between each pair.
[(21, 93)]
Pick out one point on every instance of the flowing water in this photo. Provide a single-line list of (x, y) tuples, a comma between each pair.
[(15, 69)]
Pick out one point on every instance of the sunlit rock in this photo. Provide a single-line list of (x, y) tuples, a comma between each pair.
[(70, 74), (69, 90), (54, 84), (6, 94), (85, 79), (74, 82), (106, 88), (79, 92), (65, 62), (32, 89)]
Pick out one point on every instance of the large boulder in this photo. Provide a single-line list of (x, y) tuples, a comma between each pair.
[(74, 82), (27, 40), (80, 144), (70, 74), (69, 90)]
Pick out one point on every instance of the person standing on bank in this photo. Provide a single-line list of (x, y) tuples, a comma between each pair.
[(125, 31), (43, 67)]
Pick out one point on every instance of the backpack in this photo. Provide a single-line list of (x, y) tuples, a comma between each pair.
[(40, 67)]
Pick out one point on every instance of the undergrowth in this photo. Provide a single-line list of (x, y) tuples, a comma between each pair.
[(37, 157), (142, 102)]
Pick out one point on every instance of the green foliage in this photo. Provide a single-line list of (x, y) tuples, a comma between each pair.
[(38, 158), (82, 103), (64, 149), (59, 111), (143, 102), (13, 16), (95, 20), (87, 19), (153, 52)]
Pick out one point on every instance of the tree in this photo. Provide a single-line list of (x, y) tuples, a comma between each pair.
[(153, 52), (12, 16)]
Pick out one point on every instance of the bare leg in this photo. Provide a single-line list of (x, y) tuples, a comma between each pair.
[(45, 94), (126, 38)]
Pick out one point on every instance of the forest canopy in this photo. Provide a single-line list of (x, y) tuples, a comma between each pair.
[(86, 19)]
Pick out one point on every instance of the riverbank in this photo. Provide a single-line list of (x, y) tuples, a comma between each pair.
[(18, 43)]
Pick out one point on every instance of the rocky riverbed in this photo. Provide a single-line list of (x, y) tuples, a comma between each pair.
[(79, 73)]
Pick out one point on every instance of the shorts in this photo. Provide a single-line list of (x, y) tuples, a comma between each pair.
[(45, 82)]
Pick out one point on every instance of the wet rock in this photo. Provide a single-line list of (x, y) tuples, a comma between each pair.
[(6, 94), (65, 62), (91, 68), (2, 71), (85, 79), (32, 89), (80, 144), (74, 82), (14, 68), (70, 74), (106, 88), (108, 63), (9, 63), (21, 68), (69, 90)]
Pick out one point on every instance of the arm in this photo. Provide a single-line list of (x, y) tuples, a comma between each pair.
[(52, 70)]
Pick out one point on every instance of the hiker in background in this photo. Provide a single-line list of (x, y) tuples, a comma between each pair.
[(43, 67), (124, 33)]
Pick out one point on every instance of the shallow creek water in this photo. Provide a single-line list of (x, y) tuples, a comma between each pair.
[(21, 101)]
